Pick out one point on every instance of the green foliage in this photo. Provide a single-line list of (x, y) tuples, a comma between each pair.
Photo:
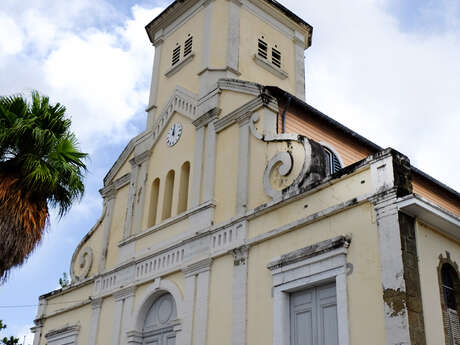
[(64, 281), (37, 146), (7, 341)]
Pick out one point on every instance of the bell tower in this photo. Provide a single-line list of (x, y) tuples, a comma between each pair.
[(198, 42)]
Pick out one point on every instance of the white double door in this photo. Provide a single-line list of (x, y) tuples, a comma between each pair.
[(314, 316)]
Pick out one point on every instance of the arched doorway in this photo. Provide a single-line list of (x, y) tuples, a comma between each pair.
[(160, 321)]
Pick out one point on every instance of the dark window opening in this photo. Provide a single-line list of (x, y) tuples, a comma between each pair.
[(262, 49), (276, 57), (176, 55), (188, 46), (332, 161)]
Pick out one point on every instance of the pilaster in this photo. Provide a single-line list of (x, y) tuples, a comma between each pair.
[(109, 204), (239, 296), (233, 34), (122, 315), (299, 43), (151, 109), (210, 163), (94, 323), (243, 168)]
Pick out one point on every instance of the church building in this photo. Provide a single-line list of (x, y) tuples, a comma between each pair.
[(242, 215)]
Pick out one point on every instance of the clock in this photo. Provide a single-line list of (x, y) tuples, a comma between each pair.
[(174, 134)]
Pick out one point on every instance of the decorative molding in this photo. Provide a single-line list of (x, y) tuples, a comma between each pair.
[(124, 293), (178, 66), (244, 112), (322, 262), (85, 262), (240, 255), (207, 117), (198, 267), (140, 158), (280, 73), (65, 335)]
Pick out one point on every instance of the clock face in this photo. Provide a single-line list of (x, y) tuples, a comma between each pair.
[(174, 134)]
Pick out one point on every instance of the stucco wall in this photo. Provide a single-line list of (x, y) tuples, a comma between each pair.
[(430, 245)]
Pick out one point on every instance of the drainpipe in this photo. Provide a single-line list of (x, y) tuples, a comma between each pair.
[(283, 115)]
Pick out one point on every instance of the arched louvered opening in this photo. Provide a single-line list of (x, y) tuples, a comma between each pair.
[(450, 300), (154, 202), (332, 161), (160, 322), (168, 195), (183, 187)]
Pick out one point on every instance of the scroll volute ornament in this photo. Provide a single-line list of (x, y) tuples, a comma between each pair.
[(83, 264), (282, 163)]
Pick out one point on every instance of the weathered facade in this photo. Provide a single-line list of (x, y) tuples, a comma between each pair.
[(242, 215)]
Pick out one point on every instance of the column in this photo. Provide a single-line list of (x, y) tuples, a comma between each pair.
[(122, 315), (233, 38), (210, 164), (299, 42), (109, 196), (197, 167)]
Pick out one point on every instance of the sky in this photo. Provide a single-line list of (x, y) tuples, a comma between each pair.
[(388, 69)]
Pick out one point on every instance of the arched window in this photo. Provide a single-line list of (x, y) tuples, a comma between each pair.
[(168, 195), (450, 288), (332, 161), (183, 187), (160, 321), (154, 202)]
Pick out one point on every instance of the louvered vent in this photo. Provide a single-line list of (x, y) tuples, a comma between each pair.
[(176, 55), (262, 49), (453, 327), (332, 161), (276, 57), (188, 46)]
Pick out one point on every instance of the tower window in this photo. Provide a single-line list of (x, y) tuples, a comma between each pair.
[(450, 285), (188, 46), (176, 55), (262, 49), (276, 57), (332, 161)]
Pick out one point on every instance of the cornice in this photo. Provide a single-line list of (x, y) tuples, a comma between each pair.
[(124, 293), (198, 267), (207, 117)]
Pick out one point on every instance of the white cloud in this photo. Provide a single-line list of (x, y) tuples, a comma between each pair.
[(24, 333), (101, 73), (11, 36), (399, 89)]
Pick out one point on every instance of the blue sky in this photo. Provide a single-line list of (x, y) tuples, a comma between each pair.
[(388, 69)]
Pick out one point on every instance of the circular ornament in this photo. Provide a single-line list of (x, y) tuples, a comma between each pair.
[(174, 134)]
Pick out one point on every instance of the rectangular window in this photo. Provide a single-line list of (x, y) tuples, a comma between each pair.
[(314, 316), (188, 46), (262, 49), (276, 57), (176, 55)]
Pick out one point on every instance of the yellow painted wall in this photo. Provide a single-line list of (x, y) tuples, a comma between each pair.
[(219, 31), (69, 298), (187, 77), (79, 316), (125, 168), (170, 158), (251, 27), (430, 245), (220, 302), (364, 284), (340, 191)]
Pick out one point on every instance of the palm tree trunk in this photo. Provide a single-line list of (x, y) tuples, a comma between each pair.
[(22, 222)]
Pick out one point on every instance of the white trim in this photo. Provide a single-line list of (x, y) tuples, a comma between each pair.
[(239, 295), (197, 167), (333, 150), (265, 64), (206, 35), (243, 169), (189, 305), (430, 213), (178, 66), (154, 86), (201, 309), (94, 323), (64, 336), (145, 301), (299, 48), (311, 271), (210, 163)]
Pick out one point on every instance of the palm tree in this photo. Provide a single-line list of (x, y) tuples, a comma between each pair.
[(40, 167)]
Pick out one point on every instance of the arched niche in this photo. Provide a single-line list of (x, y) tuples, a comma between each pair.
[(158, 315)]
